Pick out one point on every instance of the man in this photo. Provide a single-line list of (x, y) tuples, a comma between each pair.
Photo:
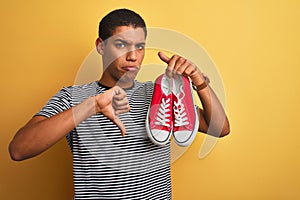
[(95, 116)]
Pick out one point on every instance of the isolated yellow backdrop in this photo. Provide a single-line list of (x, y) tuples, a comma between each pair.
[(255, 45)]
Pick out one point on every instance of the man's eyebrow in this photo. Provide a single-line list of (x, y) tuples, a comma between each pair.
[(120, 40), (141, 43), (129, 42)]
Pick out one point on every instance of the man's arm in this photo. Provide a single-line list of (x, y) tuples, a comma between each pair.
[(40, 132), (212, 119)]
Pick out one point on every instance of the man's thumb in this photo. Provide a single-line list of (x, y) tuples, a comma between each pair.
[(120, 124)]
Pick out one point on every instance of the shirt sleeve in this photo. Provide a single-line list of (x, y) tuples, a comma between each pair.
[(56, 104)]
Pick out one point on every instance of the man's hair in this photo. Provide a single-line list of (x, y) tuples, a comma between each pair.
[(120, 17)]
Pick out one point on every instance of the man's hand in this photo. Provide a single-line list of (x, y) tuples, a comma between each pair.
[(112, 103), (178, 65)]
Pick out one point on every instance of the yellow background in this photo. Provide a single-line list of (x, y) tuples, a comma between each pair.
[(255, 45)]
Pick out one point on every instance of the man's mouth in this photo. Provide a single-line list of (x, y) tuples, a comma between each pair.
[(130, 68)]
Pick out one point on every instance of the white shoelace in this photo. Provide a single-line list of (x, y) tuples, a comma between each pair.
[(162, 116), (179, 110)]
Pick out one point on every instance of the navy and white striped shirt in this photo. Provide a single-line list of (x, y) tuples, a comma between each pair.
[(107, 165)]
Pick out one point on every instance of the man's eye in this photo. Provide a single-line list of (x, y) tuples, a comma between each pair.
[(140, 46), (120, 45)]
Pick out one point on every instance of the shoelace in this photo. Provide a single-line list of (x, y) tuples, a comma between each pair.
[(162, 117), (179, 110)]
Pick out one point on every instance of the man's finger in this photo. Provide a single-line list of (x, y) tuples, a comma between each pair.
[(163, 57), (120, 109), (116, 90), (166, 59)]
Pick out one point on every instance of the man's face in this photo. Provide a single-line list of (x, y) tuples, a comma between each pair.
[(123, 54)]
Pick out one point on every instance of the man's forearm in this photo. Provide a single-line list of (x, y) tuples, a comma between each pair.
[(213, 113), (40, 133)]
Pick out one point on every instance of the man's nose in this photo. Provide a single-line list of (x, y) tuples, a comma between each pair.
[(131, 55)]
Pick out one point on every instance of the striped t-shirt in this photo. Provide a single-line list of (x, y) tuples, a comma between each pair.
[(107, 165)]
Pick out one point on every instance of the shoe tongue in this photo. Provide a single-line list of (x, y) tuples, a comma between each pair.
[(165, 89), (166, 85), (177, 86), (179, 93)]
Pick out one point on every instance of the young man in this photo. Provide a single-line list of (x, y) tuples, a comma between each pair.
[(109, 160)]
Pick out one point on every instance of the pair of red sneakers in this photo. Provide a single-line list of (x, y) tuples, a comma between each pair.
[(172, 111)]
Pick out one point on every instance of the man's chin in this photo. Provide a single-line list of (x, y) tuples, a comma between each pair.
[(128, 78)]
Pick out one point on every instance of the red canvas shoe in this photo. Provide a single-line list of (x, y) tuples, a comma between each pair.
[(159, 116), (185, 118)]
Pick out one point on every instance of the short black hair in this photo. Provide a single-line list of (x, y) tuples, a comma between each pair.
[(120, 17)]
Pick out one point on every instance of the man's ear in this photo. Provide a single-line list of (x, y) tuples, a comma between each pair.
[(100, 46)]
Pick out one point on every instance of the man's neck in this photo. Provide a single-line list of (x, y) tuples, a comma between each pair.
[(121, 84)]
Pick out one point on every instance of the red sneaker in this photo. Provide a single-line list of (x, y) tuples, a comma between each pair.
[(185, 125), (159, 116)]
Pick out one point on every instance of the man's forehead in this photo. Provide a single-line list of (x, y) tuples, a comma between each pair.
[(128, 33)]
